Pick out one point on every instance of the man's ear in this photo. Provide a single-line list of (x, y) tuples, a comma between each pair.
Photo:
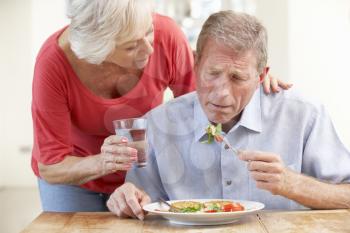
[(195, 57), (264, 73), (195, 65)]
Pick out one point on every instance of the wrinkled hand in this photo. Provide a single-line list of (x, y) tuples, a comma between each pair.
[(269, 172), (273, 84), (128, 200), (116, 155)]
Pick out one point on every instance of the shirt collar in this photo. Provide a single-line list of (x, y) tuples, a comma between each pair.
[(201, 119), (250, 119), (251, 116)]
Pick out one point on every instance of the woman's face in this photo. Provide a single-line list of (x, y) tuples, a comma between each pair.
[(133, 54)]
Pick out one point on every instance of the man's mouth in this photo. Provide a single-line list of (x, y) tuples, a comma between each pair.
[(219, 106)]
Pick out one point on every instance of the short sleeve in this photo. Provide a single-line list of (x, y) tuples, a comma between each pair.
[(182, 74), (50, 113), (325, 156)]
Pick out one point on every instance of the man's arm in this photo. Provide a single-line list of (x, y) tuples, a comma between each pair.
[(148, 178), (127, 201), (316, 194), (325, 163), (142, 185), (269, 172)]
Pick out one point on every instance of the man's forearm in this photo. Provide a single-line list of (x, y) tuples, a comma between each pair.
[(315, 194), (72, 170)]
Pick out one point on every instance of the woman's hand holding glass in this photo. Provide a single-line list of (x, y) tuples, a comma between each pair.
[(116, 155)]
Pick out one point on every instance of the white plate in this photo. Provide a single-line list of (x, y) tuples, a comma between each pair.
[(204, 218)]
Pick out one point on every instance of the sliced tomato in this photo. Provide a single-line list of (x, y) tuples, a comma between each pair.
[(227, 207), (232, 207), (238, 208), (210, 211), (218, 138)]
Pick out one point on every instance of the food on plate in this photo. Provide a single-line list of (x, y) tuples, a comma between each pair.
[(222, 206), (186, 206), (205, 207), (214, 133)]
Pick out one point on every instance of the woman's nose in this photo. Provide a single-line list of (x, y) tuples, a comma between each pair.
[(147, 47)]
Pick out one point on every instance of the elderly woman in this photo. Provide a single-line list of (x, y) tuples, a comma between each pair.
[(113, 61)]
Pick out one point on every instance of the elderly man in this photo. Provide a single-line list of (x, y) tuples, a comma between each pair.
[(289, 153)]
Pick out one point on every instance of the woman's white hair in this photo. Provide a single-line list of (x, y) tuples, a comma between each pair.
[(98, 26)]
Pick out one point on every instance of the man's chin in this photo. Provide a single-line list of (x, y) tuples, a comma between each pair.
[(219, 120)]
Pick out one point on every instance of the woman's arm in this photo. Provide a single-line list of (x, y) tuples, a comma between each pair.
[(115, 156), (72, 170), (53, 148)]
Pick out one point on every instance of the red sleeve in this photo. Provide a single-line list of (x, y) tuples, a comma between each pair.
[(50, 112), (182, 74)]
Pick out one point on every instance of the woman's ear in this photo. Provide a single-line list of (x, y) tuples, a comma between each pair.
[(264, 73)]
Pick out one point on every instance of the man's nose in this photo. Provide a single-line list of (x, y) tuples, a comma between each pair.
[(222, 88)]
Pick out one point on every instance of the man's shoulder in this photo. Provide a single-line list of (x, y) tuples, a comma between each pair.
[(177, 106), (292, 101), (175, 116)]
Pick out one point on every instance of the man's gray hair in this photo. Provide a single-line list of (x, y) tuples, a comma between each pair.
[(98, 26), (239, 31)]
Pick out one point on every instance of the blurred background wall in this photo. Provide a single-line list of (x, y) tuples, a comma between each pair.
[(25, 24), (309, 45)]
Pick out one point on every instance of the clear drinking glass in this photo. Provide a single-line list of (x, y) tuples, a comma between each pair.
[(134, 129)]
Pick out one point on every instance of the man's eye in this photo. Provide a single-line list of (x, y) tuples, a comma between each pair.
[(130, 48), (236, 78), (214, 73)]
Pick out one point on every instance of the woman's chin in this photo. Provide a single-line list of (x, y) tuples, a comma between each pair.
[(141, 64)]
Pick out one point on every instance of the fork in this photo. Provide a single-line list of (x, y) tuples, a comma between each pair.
[(228, 144), (172, 208)]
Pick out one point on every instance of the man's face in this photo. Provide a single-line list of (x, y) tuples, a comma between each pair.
[(226, 82)]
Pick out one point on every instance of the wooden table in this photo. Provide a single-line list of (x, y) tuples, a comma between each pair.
[(264, 222)]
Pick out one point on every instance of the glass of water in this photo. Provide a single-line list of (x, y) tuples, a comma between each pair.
[(134, 129)]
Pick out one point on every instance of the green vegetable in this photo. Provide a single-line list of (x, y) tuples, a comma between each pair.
[(213, 207), (191, 209), (212, 131)]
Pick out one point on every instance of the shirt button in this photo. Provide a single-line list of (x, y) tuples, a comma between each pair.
[(226, 147), (228, 182)]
